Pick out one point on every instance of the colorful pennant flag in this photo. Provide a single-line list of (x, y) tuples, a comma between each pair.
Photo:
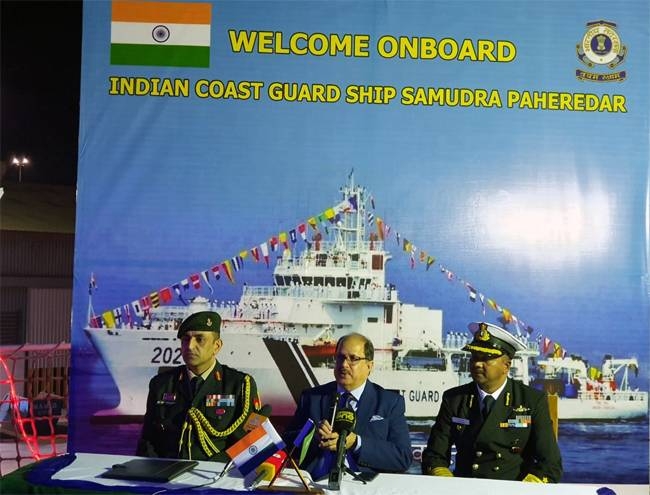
[(265, 253), (165, 295), (137, 308), (255, 252), (96, 322), (227, 269), (109, 321), (117, 314), (380, 228), (205, 275)]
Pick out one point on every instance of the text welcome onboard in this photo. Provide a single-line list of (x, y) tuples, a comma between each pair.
[(358, 45)]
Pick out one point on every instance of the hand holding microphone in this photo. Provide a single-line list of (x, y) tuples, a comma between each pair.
[(329, 438)]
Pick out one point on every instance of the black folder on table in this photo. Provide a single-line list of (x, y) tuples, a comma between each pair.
[(160, 470)]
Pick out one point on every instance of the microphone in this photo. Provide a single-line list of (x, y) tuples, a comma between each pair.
[(229, 465), (335, 405), (344, 422), (268, 469)]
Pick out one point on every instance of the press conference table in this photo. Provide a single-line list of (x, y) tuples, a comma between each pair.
[(79, 473)]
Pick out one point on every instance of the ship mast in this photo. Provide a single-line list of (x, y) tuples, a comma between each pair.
[(351, 232)]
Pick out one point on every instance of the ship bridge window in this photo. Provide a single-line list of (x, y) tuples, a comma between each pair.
[(307, 280), (354, 257), (350, 282), (373, 319), (278, 280), (318, 281), (296, 280), (287, 280), (340, 282), (388, 313), (329, 281), (321, 259), (377, 262)]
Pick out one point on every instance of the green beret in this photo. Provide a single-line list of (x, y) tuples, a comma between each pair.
[(493, 340), (203, 321)]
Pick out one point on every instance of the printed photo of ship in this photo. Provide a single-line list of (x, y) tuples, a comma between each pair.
[(284, 333)]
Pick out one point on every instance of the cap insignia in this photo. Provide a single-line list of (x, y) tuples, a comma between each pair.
[(483, 334), (208, 322)]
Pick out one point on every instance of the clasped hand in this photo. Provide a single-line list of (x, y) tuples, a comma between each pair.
[(328, 439)]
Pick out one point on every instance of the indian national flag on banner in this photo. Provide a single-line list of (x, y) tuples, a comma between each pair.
[(160, 33)]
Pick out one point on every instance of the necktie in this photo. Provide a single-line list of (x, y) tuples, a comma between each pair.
[(348, 400), (488, 402), (195, 385)]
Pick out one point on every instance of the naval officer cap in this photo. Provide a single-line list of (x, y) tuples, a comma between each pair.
[(493, 340), (203, 321)]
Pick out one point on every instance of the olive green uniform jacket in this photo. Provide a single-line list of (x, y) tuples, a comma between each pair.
[(515, 439), (179, 426)]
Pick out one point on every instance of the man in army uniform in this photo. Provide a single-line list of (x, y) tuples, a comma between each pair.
[(501, 428), (198, 410)]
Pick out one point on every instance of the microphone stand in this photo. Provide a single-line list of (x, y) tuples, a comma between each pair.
[(334, 480), (305, 485)]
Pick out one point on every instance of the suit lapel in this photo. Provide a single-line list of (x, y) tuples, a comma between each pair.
[(472, 409), (327, 402), (366, 406), (183, 379)]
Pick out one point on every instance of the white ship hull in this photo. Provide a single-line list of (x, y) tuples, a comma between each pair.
[(148, 351), (604, 410)]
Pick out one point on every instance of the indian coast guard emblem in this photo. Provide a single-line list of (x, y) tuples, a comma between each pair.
[(483, 334), (601, 46)]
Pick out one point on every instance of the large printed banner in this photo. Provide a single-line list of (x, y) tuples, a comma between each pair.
[(396, 168)]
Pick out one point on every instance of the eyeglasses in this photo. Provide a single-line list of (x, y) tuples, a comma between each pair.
[(352, 359)]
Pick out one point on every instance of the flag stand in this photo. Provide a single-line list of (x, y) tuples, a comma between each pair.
[(305, 488)]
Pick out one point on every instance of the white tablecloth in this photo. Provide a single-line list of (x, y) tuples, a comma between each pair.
[(88, 467)]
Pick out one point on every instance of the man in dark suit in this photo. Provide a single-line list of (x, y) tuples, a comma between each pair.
[(380, 440), (198, 410), (501, 428)]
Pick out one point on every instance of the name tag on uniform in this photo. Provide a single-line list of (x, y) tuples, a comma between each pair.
[(460, 421), (167, 398)]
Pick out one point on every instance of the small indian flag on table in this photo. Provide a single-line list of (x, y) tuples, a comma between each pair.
[(160, 33), (255, 447)]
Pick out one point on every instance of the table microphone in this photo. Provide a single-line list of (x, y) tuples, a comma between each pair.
[(267, 470), (344, 422)]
